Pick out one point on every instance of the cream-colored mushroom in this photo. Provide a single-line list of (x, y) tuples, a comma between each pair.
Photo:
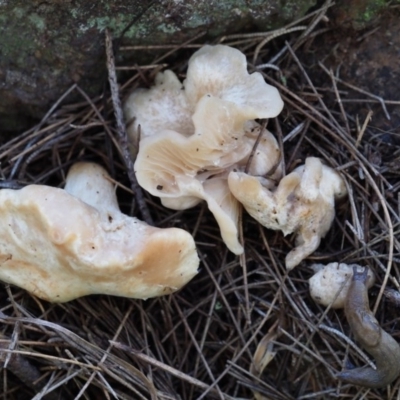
[(62, 244), (221, 71), (303, 203), (180, 169), (198, 131), (330, 283)]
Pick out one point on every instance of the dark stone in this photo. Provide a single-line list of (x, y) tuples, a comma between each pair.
[(46, 46)]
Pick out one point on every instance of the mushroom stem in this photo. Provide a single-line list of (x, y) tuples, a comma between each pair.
[(88, 182)]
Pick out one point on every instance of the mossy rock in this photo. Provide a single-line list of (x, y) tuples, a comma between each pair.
[(49, 45)]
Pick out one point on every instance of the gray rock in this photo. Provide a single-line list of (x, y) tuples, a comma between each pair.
[(48, 45)]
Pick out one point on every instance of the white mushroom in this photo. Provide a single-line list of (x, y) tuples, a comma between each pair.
[(62, 244), (330, 283), (198, 131), (303, 203)]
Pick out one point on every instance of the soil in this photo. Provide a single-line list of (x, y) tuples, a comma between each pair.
[(368, 59)]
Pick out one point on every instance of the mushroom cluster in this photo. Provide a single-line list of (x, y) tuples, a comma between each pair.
[(192, 134), (60, 244), (193, 140)]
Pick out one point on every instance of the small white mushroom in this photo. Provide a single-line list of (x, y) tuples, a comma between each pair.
[(330, 283), (303, 203), (194, 133), (62, 244)]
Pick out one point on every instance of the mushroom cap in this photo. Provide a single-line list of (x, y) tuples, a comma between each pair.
[(59, 248), (267, 206), (320, 181), (163, 106), (303, 203), (222, 72), (266, 160), (329, 279)]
